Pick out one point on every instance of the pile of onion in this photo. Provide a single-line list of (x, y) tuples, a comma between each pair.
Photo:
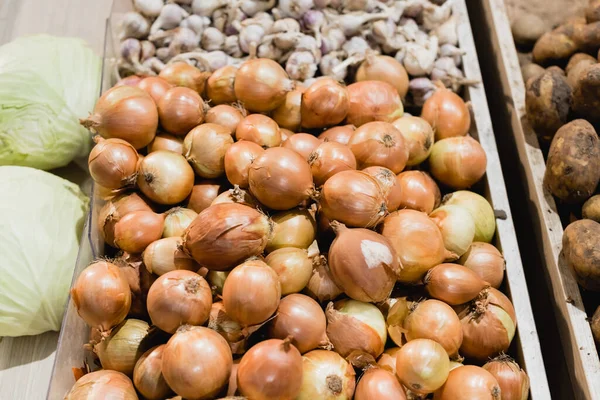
[(205, 147), (373, 101), (303, 144), (469, 382), (389, 184), (385, 69), (418, 136), (180, 109), (287, 115), (220, 85), (379, 144), (185, 75), (259, 129), (103, 384), (378, 383), (458, 162), (293, 228), (422, 365), (513, 381), (328, 159), (453, 283), (326, 375), (165, 177), (486, 261), (324, 103), (447, 113), (339, 134), (113, 163), (261, 85)]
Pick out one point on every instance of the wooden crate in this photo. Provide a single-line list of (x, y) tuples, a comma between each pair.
[(525, 347), (580, 350)]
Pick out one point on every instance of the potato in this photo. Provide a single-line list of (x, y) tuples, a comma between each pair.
[(553, 46), (573, 166), (586, 93), (547, 101), (581, 249), (527, 28), (595, 325), (577, 63), (587, 37), (592, 12), (531, 71), (591, 208)]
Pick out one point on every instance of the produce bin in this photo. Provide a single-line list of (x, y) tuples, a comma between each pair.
[(525, 347)]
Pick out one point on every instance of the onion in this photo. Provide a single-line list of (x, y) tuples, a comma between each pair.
[(486, 261), (235, 334), (280, 179), (251, 293), (481, 211), (165, 141), (155, 86), (379, 384), (302, 319), (166, 255), (259, 129), (124, 112), (328, 159), (447, 114), (399, 309), (489, 323), (324, 103), (386, 69), (219, 87), (226, 116), (293, 267), (124, 346), (363, 263), (261, 84), (224, 235), (356, 330), (353, 198), (148, 377), (177, 220), (270, 370), (321, 286), (467, 383), (293, 228), (136, 230), (238, 158), (418, 137), (216, 280), (303, 144), (113, 163), (185, 75), (373, 101), (435, 320), (131, 80), (512, 380), (139, 280), (326, 375), (458, 162), (103, 384), (287, 115), (180, 109), (205, 147), (453, 284), (236, 195), (285, 134), (379, 144), (422, 365), (389, 185), (418, 191), (339, 134), (387, 360), (207, 352), (101, 295), (177, 298), (203, 194), (417, 241), (165, 177), (455, 364), (457, 228)]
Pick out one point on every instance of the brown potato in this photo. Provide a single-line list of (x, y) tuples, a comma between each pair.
[(591, 208), (553, 46), (577, 63), (587, 37), (586, 93), (581, 249), (527, 28), (595, 324), (592, 12), (531, 71)]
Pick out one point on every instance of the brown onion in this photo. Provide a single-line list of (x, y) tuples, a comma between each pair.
[(418, 137), (453, 283), (293, 228), (113, 163), (131, 80), (301, 318), (270, 370), (165, 177), (390, 186), (124, 112), (387, 360), (219, 87), (216, 280), (178, 298), (435, 320), (251, 293), (236, 195), (326, 375), (285, 134), (124, 346), (417, 241), (293, 267), (185, 75), (353, 198), (261, 84), (373, 101), (207, 352), (280, 179), (235, 334), (379, 144), (287, 115), (302, 143), (238, 158), (224, 235), (486, 261), (155, 86), (225, 115), (180, 109), (103, 384), (481, 211), (205, 147), (136, 230), (101, 295), (321, 286), (458, 162), (339, 134), (328, 159), (139, 280), (457, 227), (148, 377), (418, 191), (324, 103), (204, 193), (422, 365), (379, 384), (166, 255), (363, 263), (468, 383), (177, 220), (259, 129), (512, 380), (385, 69), (165, 141), (447, 114)]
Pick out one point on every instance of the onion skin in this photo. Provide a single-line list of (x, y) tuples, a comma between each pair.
[(236, 195), (303, 144), (293, 267), (418, 137), (324, 103), (294, 228), (177, 220), (287, 115), (235, 334), (166, 255), (165, 141), (124, 346), (113, 163), (155, 86), (238, 158), (399, 309), (467, 383), (373, 101), (458, 162), (422, 365), (481, 211), (185, 75), (447, 114), (259, 129), (486, 261), (379, 384), (513, 381), (136, 230), (389, 184), (180, 109), (338, 134), (387, 360), (326, 375), (385, 69), (226, 116), (165, 177), (379, 144), (321, 286), (261, 84), (205, 146), (224, 235), (103, 384), (147, 375), (219, 86), (457, 228), (139, 280), (453, 283), (329, 159), (204, 193), (418, 191)]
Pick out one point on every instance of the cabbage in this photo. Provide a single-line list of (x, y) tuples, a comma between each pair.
[(41, 220)]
